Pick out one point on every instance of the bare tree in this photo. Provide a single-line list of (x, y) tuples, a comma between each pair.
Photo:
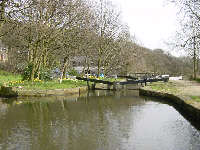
[(107, 28), (188, 38)]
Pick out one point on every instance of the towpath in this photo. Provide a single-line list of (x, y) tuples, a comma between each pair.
[(189, 91), (188, 88)]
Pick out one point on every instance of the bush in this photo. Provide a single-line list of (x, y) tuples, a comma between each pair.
[(27, 72), (73, 72), (198, 80), (45, 74)]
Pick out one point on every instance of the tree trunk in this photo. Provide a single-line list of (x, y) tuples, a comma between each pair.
[(34, 62), (194, 61), (2, 12), (63, 72), (105, 71), (30, 54), (194, 67), (197, 66), (33, 72), (44, 58), (88, 68), (99, 67), (38, 69)]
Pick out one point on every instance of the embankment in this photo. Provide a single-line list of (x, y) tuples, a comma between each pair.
[(187, 107), (16, 92)]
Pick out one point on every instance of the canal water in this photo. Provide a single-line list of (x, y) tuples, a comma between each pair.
[(96, 121)]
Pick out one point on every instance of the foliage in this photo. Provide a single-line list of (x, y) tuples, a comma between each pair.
[(198, 80), (73, 72), (196, 98), (27, 72), (45, 74), (82, 28), (187, 38)]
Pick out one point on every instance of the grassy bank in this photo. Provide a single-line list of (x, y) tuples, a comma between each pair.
[(15, 80), (196, 98), (7, 77), (166, 87), (45, 85), (179, 88)]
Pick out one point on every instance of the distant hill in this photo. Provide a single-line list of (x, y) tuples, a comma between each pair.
[(157, 60)]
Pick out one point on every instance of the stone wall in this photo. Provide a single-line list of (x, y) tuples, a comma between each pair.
[(16, 92)]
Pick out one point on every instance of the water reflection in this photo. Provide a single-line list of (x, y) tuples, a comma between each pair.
[(120, 121)]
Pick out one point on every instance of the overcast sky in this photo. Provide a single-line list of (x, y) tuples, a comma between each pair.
[(151, 21)]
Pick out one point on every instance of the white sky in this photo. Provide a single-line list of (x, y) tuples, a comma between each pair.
[(151, 21)]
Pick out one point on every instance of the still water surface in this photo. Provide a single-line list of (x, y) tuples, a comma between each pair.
[(96, 122)]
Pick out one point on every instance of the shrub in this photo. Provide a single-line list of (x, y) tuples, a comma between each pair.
[(45, 74), (27, 72), (198, 80), (73, 72)]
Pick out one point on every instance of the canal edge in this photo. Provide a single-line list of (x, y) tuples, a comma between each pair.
[(177, 101), (8, 92)]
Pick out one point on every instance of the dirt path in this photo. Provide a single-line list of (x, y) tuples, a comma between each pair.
[(188, 88)]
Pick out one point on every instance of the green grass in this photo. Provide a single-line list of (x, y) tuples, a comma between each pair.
[(47, 85), (15, 80), (7, 77), (196, 98), (164, 87)]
